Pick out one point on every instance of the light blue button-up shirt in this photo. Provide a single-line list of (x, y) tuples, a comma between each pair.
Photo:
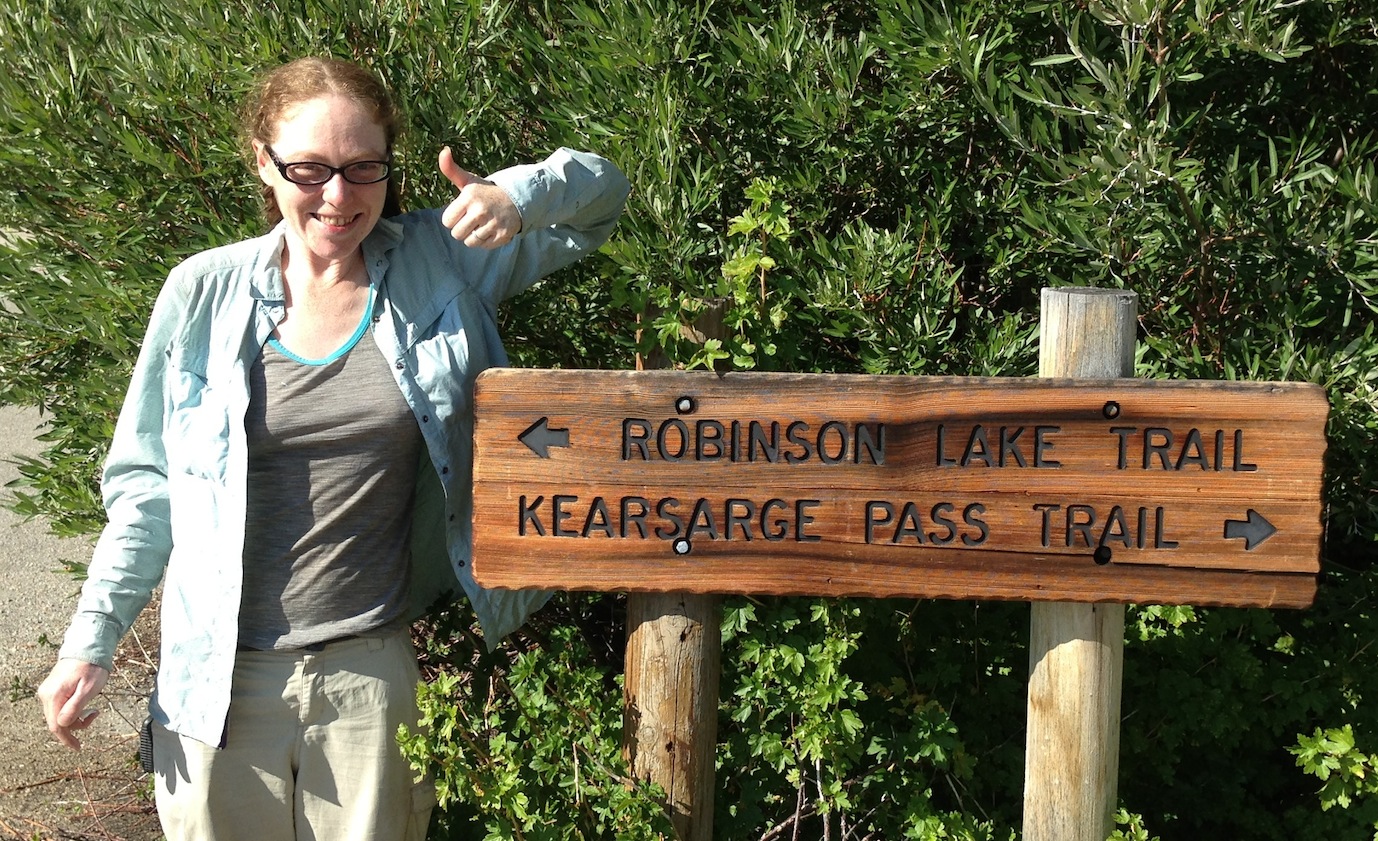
[(175, 481)]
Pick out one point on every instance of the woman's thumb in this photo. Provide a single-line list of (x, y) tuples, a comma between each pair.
[(457, 175)]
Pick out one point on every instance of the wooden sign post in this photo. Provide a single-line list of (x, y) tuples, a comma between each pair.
[(670, 683), (1076, 651)]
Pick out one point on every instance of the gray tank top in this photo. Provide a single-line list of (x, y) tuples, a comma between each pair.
[(333, 454)]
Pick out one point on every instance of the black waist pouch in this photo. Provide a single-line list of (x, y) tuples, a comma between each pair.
[(146, 745)]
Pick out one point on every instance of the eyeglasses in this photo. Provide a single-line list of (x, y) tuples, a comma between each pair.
[(312, 173)]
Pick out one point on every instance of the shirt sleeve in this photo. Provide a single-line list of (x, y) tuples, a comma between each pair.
[(133, 548)]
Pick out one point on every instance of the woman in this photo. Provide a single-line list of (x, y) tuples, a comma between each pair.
[(293, 461)]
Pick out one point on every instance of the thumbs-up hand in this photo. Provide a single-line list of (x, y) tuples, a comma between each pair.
[(483, 216)]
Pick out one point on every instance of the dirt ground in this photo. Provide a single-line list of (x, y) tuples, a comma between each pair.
[(46, 790)]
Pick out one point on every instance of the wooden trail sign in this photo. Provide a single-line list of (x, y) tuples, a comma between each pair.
[(1170, 492)]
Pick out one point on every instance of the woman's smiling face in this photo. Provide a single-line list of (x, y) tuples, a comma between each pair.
[(326, 223)]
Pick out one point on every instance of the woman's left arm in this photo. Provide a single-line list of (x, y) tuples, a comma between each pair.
[(534, 218)]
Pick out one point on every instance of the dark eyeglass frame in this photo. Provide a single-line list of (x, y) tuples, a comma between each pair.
[(331, 171)]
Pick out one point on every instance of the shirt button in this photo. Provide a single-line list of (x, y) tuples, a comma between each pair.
[(444, 470), (401, 364), (425, 418)]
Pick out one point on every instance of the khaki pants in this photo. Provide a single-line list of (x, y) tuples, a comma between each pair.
[(310, 753)]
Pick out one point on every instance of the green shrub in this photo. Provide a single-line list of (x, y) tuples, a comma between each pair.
[(877, 188), (522, 741)]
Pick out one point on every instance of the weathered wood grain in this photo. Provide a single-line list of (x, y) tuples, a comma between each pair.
[(902, 486)]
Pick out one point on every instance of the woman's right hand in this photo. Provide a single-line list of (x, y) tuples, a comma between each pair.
[(69, 687)]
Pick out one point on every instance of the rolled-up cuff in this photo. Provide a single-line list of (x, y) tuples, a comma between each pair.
[(91, 639)]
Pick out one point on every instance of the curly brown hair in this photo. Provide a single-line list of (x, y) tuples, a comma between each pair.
[(303, 80)]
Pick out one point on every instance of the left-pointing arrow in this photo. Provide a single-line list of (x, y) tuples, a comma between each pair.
[(1254, 530), (539, 437)]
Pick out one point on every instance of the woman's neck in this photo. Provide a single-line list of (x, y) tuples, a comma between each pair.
[(307, 271), (324, 304)]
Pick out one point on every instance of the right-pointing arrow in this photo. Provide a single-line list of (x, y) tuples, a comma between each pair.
[(1254, 530)]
